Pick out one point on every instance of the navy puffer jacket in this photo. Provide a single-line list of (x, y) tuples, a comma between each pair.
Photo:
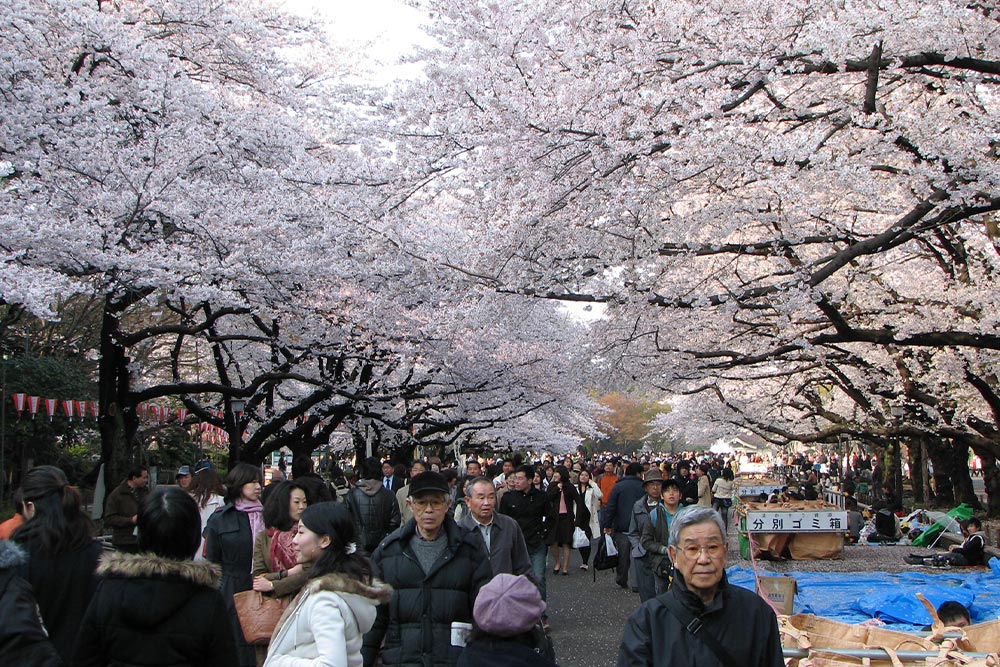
[(416, 624)]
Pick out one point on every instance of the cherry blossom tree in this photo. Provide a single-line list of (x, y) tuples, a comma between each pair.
[(760, 193)]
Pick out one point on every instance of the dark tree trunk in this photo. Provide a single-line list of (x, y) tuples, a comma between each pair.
[(944, 489), (952, 480), (916, 460), (991, 479), (117, 419)]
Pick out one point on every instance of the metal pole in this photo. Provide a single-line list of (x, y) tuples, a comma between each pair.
[(876, 653)]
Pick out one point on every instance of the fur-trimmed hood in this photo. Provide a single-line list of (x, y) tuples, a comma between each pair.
[(378, 591), (150, 566), (11, 555), (362, 599), (149, 589)]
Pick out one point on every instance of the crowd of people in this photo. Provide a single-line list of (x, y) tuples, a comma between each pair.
[(421, 565)]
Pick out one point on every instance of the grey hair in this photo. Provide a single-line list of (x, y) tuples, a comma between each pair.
[(481, 479), (693, 515)]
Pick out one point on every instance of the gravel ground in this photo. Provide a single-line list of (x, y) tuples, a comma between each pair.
[(587, 617), (871, 558)]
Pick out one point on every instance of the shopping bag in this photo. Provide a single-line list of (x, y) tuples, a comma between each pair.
[(580, 538), (606, 557)]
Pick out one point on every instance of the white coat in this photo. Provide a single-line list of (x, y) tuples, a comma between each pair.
[(592, 501), (214, 504), (325, 624)]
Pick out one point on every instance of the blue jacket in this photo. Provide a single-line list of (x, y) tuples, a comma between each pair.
[(618, 512)]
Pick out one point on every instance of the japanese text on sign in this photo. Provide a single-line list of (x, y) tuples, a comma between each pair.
[(808, 521)]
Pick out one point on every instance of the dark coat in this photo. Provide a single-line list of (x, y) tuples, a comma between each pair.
[(572, 497), (375, 512), (150, 610), (529, 510), (416, 624), (689, 490), (123, 504), (618, 510), (23, 640), (63, 586), (489, 651), (229, 542), (740, 620)]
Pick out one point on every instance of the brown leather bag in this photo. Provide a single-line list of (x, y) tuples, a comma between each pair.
[(258, 614)]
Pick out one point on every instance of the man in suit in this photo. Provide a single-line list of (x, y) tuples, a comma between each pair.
[(390, 480)]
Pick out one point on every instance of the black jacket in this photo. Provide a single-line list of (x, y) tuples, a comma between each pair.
[(572, 498), (617, 512), (375, 512), (416, 624), (490, 651), (973, 548), (63, 585), (150, 610), (689, 490), (529, 510), (23, 640), (739, 619), (229, 542)]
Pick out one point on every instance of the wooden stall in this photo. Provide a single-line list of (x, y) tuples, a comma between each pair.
[(805, 529)]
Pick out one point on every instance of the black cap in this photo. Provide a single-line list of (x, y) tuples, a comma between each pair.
[(430, 481)]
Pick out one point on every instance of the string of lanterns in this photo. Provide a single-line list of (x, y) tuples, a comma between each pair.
[(74, 409)]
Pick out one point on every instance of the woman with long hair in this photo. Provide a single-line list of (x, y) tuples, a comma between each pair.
[(562, 498), (276, 570), (147, 600), (230, 536), (590, 498), (704, 485), (209, 494), (62, 553), (722, 494), (327, 621), (273, 553)]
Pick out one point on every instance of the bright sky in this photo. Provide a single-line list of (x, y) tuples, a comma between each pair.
[(385, 29)]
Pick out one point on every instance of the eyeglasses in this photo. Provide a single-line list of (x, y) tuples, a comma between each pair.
[(694, 551), (433, 503)]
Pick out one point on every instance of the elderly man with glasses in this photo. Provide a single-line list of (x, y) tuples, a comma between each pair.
[(701, 619), (436, 569)]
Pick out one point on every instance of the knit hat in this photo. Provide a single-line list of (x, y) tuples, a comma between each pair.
[(508, 605)]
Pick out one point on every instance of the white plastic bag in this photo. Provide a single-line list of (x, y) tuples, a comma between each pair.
[(610, 545), (580, 539)]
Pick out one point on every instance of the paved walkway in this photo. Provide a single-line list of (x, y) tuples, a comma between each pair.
[(587, 617)]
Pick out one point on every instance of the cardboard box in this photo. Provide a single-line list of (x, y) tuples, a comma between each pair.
[(780, 591)]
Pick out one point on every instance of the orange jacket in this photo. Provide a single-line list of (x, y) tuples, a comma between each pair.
[(8, 527)]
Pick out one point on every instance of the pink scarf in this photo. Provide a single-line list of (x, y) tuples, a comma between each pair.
[(254, 512), (282, 555)]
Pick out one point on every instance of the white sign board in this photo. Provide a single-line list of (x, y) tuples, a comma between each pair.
[(757, 489), (803, 521)]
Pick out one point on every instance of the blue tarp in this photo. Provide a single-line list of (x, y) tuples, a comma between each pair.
[(853, 597)]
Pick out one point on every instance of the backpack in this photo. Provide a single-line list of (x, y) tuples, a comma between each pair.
[(602, 560)]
